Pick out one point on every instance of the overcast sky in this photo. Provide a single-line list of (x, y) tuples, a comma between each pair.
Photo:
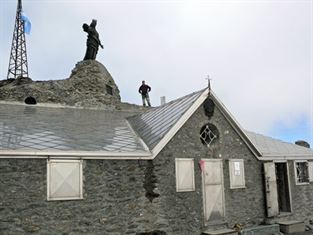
[(258, 53)]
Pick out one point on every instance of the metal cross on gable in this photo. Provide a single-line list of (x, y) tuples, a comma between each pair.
[(209, 82)]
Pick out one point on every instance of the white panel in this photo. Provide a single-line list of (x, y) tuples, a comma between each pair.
[(311, 171), (184, 174), (64, 179), (214, 200), (213, 172), (236, 173), (271, 189)]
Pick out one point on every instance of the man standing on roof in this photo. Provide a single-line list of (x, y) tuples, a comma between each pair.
[(144, 90)]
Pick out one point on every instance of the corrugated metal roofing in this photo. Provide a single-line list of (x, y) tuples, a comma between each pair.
[(155, 123), (273, 147), (29, 128)]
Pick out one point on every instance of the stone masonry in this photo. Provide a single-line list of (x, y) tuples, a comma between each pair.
[(89, 85)]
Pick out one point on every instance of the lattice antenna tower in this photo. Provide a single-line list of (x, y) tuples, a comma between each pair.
[(18, 66)]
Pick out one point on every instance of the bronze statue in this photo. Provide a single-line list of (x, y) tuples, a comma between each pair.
[(93, 41)]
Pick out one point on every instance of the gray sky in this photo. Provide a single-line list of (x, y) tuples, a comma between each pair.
[(258, 53)]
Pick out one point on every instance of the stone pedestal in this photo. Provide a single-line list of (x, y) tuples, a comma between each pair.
[(292, 226), (261, 230), (89, 85)]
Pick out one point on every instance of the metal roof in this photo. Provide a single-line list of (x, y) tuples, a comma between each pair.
[(28, 128), (155, 123), (274, 147), (62, 130)]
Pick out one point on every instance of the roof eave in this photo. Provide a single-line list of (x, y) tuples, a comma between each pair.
[(305, 156), (78, 154)]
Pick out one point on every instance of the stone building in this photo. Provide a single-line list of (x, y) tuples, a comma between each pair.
[(181, 168)]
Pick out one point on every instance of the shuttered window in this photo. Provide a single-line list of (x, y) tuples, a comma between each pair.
[(311, 171), (64, 180), (185, 179), (237, 173)]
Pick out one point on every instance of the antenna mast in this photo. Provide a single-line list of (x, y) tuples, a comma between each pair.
[(18, 58)]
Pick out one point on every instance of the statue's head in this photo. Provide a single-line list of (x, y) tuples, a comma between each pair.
[(93, 23), (85, 27)]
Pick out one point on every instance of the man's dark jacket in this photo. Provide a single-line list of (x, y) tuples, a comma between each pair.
[(144, 89)]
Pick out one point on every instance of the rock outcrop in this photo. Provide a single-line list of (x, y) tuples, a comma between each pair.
[(89, 85)]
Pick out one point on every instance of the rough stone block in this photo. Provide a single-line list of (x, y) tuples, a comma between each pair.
[(221, 232), (292, 226), (261, 230)]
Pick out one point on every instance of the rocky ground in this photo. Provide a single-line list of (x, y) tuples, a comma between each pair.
[(89, 85)]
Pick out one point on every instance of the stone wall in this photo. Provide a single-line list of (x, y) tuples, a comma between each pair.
[(114, 201)]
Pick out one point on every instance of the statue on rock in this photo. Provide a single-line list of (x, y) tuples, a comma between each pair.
[(93, 41)]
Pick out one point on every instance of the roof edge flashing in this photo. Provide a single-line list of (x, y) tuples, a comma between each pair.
[(78, 154)]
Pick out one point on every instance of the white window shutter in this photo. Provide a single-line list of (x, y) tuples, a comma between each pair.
[(64, 179), (185, 180), (237, 173), (311, 171)]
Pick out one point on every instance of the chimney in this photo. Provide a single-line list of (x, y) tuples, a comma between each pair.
[(302, 143), (163, 101)]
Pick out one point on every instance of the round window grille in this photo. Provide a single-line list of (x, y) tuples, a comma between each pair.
[(208, 134)]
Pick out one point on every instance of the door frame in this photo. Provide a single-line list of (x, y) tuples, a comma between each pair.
[(289, 189), (207, 222)]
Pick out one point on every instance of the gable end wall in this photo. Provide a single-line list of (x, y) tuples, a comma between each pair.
[(244, 206)]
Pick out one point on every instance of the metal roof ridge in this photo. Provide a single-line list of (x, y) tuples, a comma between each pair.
[(182, 97), (166, 104), (62, 106)]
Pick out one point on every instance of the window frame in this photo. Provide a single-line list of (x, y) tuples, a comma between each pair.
[(296, 173), (231, 163), (310, 169), (208, 134), (49, 178), (185, 189)]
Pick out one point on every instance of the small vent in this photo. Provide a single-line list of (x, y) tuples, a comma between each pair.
[(302, 143), (208, 107), (109, 89), (163, 100), (30, 100)]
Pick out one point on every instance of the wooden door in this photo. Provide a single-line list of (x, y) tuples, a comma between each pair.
[(213, 190)]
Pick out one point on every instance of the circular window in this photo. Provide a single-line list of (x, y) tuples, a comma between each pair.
[(209, 134)]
